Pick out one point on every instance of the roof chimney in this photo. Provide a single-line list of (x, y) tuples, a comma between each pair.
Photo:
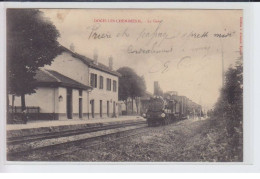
[(95, 56), (72, 47), (110, 63)]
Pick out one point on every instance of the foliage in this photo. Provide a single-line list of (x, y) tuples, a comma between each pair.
[(230, 102), (229, 107), (31, 43), (130, 84)]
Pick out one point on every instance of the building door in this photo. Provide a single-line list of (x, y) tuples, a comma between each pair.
[(92, 104), (114, 109), (80, 107), (107, 108), (69, 103), (100, 108)]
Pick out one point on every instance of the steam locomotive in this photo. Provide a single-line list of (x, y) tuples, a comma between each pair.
[(165, 109)]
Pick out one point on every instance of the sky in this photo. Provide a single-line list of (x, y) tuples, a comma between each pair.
[(181, 49)]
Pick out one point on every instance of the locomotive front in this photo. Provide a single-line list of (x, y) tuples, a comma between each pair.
[(156, 112)]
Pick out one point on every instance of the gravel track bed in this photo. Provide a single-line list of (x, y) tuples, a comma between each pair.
[(183, 141)]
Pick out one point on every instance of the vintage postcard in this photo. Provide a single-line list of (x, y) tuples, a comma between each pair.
[(124, 85)]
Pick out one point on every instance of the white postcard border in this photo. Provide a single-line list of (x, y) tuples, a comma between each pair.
[(250, 131)]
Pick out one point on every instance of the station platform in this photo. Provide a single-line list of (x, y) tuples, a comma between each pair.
[(36, 127)]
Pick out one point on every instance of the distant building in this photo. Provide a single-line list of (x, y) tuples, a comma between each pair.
[(75, 87)]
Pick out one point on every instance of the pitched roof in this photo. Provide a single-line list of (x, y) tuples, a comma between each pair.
[(55, 79), (90, 62)]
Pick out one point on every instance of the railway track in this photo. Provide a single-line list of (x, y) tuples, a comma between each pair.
[(140, 131), (26, 147), (42, 136), (87, 145)]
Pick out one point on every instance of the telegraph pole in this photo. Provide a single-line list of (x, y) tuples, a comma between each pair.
[(223, 74), (201, 106), (222, 56)]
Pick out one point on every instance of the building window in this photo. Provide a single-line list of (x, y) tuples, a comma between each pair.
[(114, 85), (101, 82), (93, 80), (108, 84)]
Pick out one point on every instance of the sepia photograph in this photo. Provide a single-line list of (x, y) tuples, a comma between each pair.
[(124, 85)]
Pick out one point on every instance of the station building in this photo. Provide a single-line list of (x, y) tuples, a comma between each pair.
[(74, 87), (104, 96)]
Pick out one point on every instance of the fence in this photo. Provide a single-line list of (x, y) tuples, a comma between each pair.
[(29, 109), (32, 113)]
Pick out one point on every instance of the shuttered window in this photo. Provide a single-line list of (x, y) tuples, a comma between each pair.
[(108, 84), (101, 82), (93, 80)]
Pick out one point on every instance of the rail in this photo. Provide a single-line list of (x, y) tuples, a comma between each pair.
[(16, 141)]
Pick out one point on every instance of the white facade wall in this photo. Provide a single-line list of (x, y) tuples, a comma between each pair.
[(62, 107), (103, 94), (75, 101), (85, 103), (45, 98), (71, 67)]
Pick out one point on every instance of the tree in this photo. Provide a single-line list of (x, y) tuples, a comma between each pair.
[(140, 91), (31, 43), (130, 85), (229, 107), (230, 102), (233, 96)]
